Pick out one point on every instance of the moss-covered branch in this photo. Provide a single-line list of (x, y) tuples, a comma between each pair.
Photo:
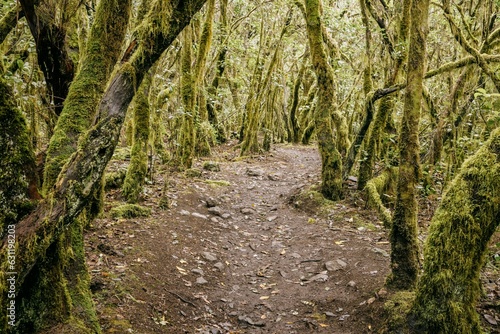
[(375, 188), (9, 21)]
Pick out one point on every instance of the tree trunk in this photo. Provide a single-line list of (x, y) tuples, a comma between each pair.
[(18, 177), (62, 281), (331, 168), (455, 250), (404, 245), (53, 58), (138, 168), (187, 136), (81, 175)]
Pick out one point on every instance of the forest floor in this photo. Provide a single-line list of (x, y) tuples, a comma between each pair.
[(247, 249)]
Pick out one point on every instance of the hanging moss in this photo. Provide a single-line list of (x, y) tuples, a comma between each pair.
[(456, 247)]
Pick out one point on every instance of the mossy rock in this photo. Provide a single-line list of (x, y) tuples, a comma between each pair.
[(130, 211), (192, 172), (211, 166), (114, 180), (312, 201)]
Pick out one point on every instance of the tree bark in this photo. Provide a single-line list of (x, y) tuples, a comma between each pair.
[(82, 174), (404, 245), (53, 58), (456, 248), (331, 168)]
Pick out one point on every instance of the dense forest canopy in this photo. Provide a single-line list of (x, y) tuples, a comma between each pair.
[(400, 96)]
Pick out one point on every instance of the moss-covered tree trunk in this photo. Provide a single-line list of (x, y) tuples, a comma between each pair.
[(212, 107), (185, 151), (404, 244), (18, 177), (9, 21), (331, 168), (386, 104), (204, 131), (294, 122), (455, 250), (52, 55), (39, 231), (138, 168), (61, 282)]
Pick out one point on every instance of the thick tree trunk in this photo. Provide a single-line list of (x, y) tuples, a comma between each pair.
[(81, 175), (61, 283), (404, 245), (455, 250)]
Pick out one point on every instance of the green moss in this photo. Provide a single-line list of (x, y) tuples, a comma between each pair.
[(121, 154), (211, 166), (397, 308), (456, 247), (130, 211), (138, 168), (187, 141), (192, 172), (102, 51), (17, 161), (326, 109), (218, 183), (378, 186), (311, 200), (114, 180)]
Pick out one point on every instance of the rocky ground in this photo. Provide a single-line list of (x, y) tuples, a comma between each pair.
[(245, 247)]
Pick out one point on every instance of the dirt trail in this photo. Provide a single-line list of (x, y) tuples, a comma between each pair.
[(234, 254)]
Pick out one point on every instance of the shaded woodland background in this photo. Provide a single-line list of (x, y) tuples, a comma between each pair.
[(400, 96)]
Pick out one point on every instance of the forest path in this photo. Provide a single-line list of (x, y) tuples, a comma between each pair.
[(239, 252)]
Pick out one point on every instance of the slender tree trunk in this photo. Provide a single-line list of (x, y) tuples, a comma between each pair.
[(212, 109), (138, 168), (331, 170), (404, 244), (188, 92), (294, 123), (53, 58)]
